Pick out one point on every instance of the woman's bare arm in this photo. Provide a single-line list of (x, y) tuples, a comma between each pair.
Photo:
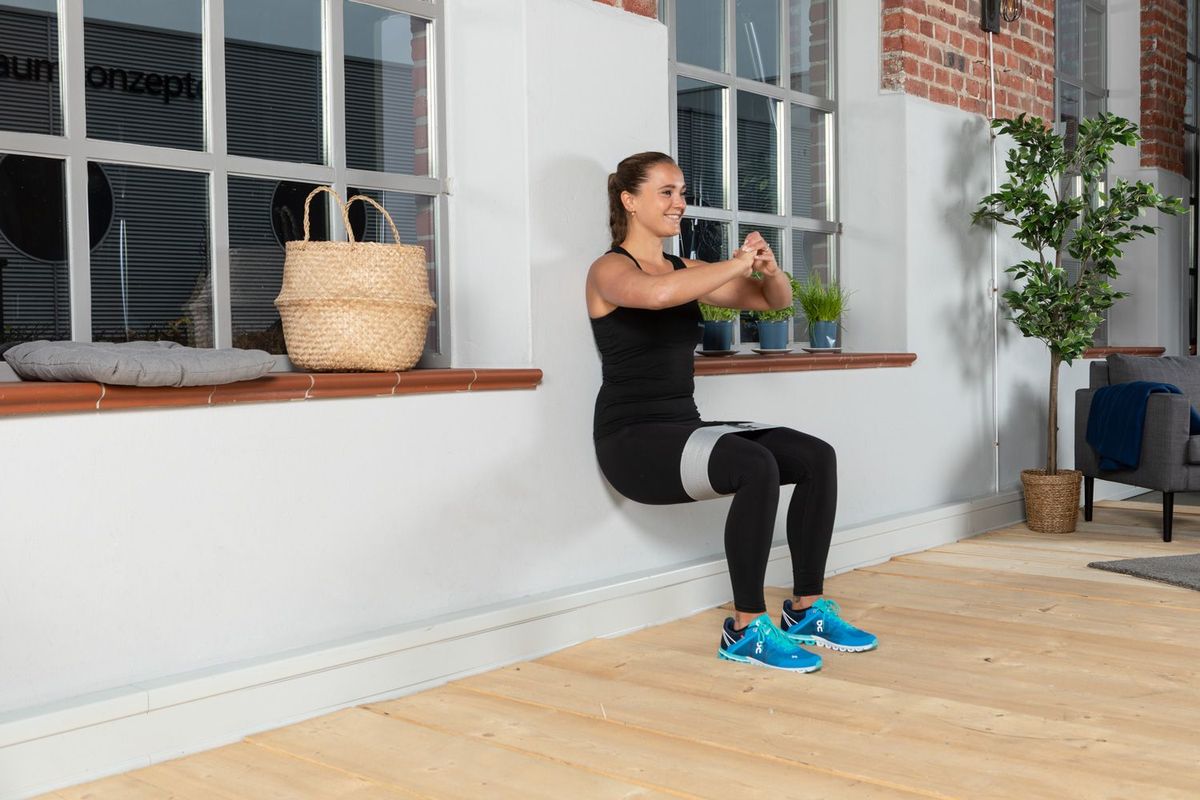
[(616, 281), (773, 291)]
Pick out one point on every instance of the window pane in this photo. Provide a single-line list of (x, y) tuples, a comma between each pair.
[(1189, 102), (1093, 47), (273, 91), (808, 25), (150, 272), (34, 290), (414, 218), (809, 151), (1068, 18), (387, 92), (1093, 104), (263, 216), (757, 153), (1068, 102), (143, 79), (1191, 32), (758, 40), (29, 79), (812, 253), (700, 129), (704, 240), (700, 33), (749, 326)]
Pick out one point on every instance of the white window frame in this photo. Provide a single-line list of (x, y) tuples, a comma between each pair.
[(1100, 337), (1084, 86), (76, 149), (785, 222)]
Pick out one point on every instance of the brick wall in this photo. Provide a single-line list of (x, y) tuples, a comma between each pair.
[(935, 49), (647, 8), (1164, 83)]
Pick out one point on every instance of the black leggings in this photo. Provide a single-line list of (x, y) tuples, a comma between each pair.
[(642, 462)]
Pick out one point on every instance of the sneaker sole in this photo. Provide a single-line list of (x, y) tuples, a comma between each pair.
[(746, 660), (841, 648)]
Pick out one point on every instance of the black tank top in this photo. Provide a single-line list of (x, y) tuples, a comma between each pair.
[(648, 361)]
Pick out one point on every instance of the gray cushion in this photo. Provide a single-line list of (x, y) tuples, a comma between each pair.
[(135, 363), (1193, 450), (1182, 371)]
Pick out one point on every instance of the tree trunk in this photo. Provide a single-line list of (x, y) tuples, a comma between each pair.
[(1052, 427)]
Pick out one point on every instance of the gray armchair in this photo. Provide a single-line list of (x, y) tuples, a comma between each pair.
[(1170, 459)]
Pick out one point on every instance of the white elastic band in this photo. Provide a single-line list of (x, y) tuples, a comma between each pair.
[(693, 464)]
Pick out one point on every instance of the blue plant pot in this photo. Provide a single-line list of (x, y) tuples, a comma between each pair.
[(718, 335), (773, 335), (823, 334)]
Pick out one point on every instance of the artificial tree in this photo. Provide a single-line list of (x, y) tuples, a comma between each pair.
[(1055, 202)]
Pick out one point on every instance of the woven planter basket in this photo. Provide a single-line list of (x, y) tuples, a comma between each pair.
[(1051, 501), (356, 306)]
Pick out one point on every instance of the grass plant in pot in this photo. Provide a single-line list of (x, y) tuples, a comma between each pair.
[(823, 305), (718, 328), (775, 324), (1053, 222)]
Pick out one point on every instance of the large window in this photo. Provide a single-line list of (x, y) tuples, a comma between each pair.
[(754, 117), (1081, 81), (155, 156), (1081, 74)]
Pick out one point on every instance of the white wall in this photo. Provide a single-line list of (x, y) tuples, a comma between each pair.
[(488, 167), (144, 544), (1153, 270), (1154, 273), (875, 218)]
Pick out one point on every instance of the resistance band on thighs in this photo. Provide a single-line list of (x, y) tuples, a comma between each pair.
[(693, 464)]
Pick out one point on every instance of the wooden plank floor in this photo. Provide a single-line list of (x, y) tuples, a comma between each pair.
[(1007, 669)]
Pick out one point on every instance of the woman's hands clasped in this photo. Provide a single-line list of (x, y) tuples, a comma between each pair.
[(764, 260), (746, 258)]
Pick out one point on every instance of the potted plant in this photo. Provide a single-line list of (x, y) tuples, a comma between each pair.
[(718, 328), (823, 304), (773, 324), (1053, 222)]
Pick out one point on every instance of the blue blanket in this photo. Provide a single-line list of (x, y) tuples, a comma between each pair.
[(1117, 417)]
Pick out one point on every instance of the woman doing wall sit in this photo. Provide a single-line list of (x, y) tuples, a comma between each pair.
[(654, 448)]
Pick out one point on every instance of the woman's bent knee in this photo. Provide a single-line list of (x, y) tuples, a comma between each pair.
[(736, 463)]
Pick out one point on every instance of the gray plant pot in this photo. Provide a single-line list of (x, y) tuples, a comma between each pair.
[(823, 334), (773, 334), (718, 335)]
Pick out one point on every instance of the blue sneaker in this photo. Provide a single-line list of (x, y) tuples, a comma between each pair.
[(763, 643), (823, 625)]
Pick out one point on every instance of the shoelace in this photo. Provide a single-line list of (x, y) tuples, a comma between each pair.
[(768, 633), (832, 613), (828, 607)]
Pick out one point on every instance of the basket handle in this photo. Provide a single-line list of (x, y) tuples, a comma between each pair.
[(382, 210), (341, 205)]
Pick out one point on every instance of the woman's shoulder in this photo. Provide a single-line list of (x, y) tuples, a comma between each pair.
[(613, 259)]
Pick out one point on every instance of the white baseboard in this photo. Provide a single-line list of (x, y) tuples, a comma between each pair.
[(85, 738)]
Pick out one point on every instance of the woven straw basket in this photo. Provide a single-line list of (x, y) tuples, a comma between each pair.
[(1051, 501), (358, 306)]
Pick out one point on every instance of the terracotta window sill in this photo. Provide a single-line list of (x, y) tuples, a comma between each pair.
[(37, 397), (799, 362), (1101, 352)]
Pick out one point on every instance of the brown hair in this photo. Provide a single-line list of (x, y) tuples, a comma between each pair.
[(629, 177)]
